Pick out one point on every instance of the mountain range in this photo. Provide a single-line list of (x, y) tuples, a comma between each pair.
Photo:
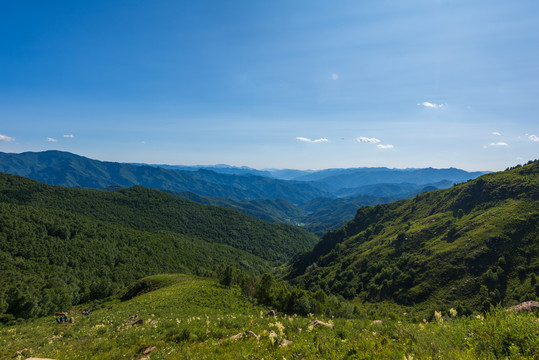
[(285, 196)]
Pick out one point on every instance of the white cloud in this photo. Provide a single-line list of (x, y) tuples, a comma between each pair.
[(430, 105), (496, 133), (380, 146), (71, 136), (500, 143), (335, 76), (51, 139), (364, 139), (534, 138), (6, 138), (300, 138)]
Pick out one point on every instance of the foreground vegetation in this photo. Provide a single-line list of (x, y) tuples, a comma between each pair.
[(188, 317)]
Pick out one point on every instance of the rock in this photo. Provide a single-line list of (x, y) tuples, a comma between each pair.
[(285, 343), (318, 322), (250, 333), (235, 337), (529, 306), (149, 350)]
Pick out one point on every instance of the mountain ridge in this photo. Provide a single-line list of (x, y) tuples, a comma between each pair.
[(451, 247)]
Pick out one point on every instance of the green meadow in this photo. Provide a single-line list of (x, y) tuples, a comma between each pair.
[(189, 317)]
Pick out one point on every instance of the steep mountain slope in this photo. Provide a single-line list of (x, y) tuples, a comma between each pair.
[(66, 169), (471, 245)]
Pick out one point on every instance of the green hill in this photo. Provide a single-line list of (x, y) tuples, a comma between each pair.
[(188, 317), (474, 244), (146, 209), (62, 246)]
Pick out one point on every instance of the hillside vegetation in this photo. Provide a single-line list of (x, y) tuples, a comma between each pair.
[(187, 317), (469, 246), (146, 209), (62, 246)]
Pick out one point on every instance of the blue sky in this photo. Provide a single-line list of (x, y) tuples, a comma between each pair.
[(283, 84)]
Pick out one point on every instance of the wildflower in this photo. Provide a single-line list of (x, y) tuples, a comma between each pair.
[(310, 328), (480, 317), (280, 327), (272, 336), (438, 316), (421, 326), (453, 312), (178, 321)]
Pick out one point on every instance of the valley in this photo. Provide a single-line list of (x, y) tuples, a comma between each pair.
[(201, 271)]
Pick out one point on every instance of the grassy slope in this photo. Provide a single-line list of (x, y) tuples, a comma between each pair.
[(194, 318), (145, 209), (476, 242)]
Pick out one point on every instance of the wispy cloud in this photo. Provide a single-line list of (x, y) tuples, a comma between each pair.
[(499, 143), (301, 138), (533, 137), (6, 138), (51, 139), (364, 139), (388, 146), (430, 105), (71, 136), (496, 133)]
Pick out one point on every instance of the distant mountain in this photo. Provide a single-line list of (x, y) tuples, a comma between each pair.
[(353, 178), (401, 190), (472, 245), (268, 210), (220, 168), (288, 174), (66, 169), (262, 193)]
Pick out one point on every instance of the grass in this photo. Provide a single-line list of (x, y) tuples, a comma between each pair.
[(187, 317)]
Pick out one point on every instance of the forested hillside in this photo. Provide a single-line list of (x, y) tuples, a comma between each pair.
[(472, 245), (62, 246), (146, 209)]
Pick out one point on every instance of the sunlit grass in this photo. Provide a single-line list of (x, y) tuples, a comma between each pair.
[(196, 318)]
